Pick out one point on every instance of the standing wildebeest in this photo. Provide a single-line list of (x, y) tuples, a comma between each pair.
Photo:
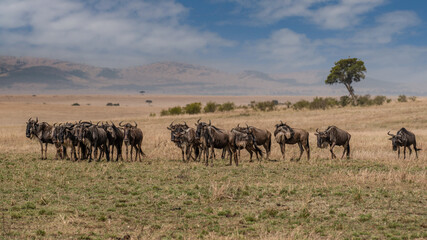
[(44, 133), (133, 136), (95, 138), (334, 137), (262, 137), (115, 138), (68, 139), (243, 140), (187, 140), (284, 134), (213, 137), (405, 139), (176, 130)]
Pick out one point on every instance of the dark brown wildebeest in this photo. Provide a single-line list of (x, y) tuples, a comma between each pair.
[(334, 136), (176, 130), (187, 140), (115, 137), (284, 134), (262, 137), (212, 137), (405, 139), (68, 139), (44, 134), (95, 139), (243, 140), (133, 136)]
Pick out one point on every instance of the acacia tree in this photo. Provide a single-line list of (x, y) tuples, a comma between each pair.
[(347, 71)]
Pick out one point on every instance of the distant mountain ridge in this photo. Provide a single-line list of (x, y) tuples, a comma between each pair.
[(42, 75)]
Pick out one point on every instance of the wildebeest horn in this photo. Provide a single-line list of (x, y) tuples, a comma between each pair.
[(247, 125), (98, 123), (170, 125), (136, 125), (29, 119), (390, 134), (281, 122), (317, 130), (209, 122), (198, 120), (80, 121), (238, 125), (37, 119), (185, 124), (120, 124)]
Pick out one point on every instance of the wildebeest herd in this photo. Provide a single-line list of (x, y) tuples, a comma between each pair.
[(87, 140)]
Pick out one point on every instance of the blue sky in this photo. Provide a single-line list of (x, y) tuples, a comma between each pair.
[(273, 36)]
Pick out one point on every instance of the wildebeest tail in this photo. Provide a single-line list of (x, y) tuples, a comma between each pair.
[(415, 144), (348, 150), (142, 153)]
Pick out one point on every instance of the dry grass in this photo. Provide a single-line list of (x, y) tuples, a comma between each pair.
[(372, 195)]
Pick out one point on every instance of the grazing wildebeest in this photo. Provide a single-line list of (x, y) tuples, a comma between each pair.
[(405, 139), (284, 134), (44, 133), (133, 136), (334, 137), (187, 140), (262, 137), (212, 137), (243, 140)]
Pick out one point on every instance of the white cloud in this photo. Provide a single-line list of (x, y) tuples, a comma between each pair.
[(328, 14), (288, 50), (108, 29)]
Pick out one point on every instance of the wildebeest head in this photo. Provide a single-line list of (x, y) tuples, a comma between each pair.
[(32, 125), (175, 128), (127, 129), (109, 129), (322, 138), (55, 132), (201, 128), (396, 140)]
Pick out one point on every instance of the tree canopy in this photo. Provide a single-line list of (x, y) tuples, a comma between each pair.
[(347, 71)]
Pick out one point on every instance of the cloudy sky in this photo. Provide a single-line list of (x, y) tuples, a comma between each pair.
[(274, 36)]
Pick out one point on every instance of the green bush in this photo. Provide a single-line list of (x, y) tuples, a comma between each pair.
[(193, 108), (288, 104), (364, 100), (225, 107), (413, 98), (175, 110), (344, 101), (402, 98), (75, 104), (301, 104), (210, 107), (380, 100), (164, 112), (265, 106)]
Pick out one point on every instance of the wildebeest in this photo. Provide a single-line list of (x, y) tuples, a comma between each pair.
[(212, 137), (334, 137), (284, 134), (95, 138), (243, 140), (261, 137), (133, 136), (183, 144), (187, 139), (68, 139), (405, 139), (44, 134)]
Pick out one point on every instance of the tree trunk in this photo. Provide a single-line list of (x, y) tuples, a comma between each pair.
[(351, 91)]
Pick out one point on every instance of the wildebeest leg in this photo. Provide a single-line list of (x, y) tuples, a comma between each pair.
[(410, 150), (345, 150), (404, 152), (398, 152), (332, 151), (301, 149), (107, 152), (131, 152), (188, 152), (307, 149), (127, 151), (282, 149), (45, 151), (182, 153), (236, 160)]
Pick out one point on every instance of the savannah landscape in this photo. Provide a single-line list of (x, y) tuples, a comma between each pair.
[(372, 195)]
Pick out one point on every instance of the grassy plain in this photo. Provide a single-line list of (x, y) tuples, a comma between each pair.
[(372, 195)]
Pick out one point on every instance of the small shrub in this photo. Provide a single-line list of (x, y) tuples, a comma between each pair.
[(175, 110), (75, 104), (413, 98), (318, 103), (265, 106), (193, 108), (388, 100), (40, 233), (152, 114), (109, 104), (402, 98), (301, 104), (288, 104), (226, 107), (344, 101), (113, 104), (275, 102), (149, 101), (379, 100), (364, 100), (210, 107), (164, 112)]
